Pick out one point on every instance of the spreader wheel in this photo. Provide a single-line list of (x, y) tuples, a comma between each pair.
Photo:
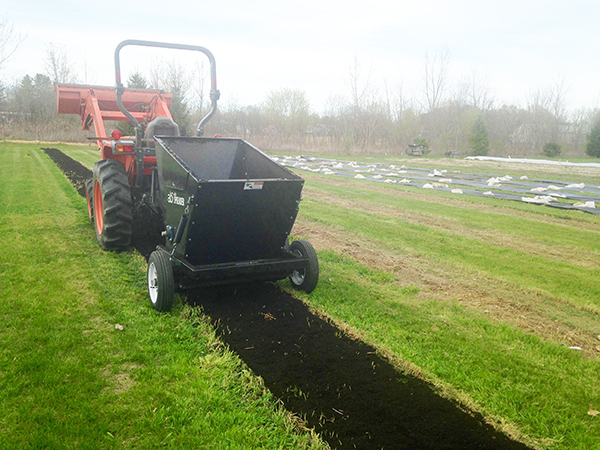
[(89, 196), (161, 284), (112, 205), (307, 279)]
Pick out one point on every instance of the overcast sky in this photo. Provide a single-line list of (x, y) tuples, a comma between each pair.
[(261, 45)]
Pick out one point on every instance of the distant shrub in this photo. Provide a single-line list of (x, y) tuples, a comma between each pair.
[(552, 150), (479, 140), (421, 142), (593, 141)]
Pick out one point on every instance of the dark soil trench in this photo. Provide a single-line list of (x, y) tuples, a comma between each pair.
[(339, 386)]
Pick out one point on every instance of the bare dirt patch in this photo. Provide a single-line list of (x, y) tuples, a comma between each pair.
[(532, 312)]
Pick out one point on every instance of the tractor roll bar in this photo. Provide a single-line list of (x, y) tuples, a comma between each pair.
[(214, 93)]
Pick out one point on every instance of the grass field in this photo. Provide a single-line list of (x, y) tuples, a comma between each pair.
[(85, 362), (482, 297)]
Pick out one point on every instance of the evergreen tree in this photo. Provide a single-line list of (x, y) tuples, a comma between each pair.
[(173, 78), (34, 98), (137, 81), (479, 141), (179, 109), (593, 141), (551, 150), (422, 142)]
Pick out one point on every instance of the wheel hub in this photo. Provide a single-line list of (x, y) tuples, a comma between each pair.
[(152, 283), (298, 275), (98, 210)]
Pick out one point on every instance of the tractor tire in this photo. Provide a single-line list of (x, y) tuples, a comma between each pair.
[(305, 280), (161, 283), (112, 205), (89, 196)]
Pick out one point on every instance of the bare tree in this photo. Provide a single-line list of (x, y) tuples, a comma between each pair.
[(436, 77), (199, 76), (559, 93), (538, 99), (542, 125), (579, 125), (58, 66), (289, 109), (89, 74), (359, 89), (366, 109), (479, 92), (401, 102), (9, 40), (173, 77), (332, 122), (156, 74), (462, 93)]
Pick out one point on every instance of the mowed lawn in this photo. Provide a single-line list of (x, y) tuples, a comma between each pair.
[(85, 362), (496, 303)]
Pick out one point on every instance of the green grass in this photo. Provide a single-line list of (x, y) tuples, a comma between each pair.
[(69, 378), (530, 225), (541, 388), (439, 196), (537, 266), (568, 282)]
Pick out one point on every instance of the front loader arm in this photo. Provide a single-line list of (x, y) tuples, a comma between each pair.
[(95, 104)]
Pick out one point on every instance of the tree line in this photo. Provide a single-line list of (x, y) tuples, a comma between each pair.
[(455, 120)]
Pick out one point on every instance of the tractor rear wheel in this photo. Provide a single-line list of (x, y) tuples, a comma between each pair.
[(112, 205), (306, 279), (161, 283)]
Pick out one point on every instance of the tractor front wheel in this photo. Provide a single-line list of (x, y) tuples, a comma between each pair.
[(112, 205), (306, 279), (161, 283)]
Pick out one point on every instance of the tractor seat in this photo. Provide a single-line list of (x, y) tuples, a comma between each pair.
[(160, 126)]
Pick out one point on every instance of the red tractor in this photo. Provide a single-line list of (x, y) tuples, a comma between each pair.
[(226, 209)]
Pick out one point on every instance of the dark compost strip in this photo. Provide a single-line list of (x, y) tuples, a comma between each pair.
[(76, 172), (338, 385)]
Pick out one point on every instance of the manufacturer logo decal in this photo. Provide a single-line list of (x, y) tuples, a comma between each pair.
[(253, 185), (172, 197)]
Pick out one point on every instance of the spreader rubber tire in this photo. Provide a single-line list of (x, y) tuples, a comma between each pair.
[(161, 284), (113, 211), (89, 196), (307, 279)]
